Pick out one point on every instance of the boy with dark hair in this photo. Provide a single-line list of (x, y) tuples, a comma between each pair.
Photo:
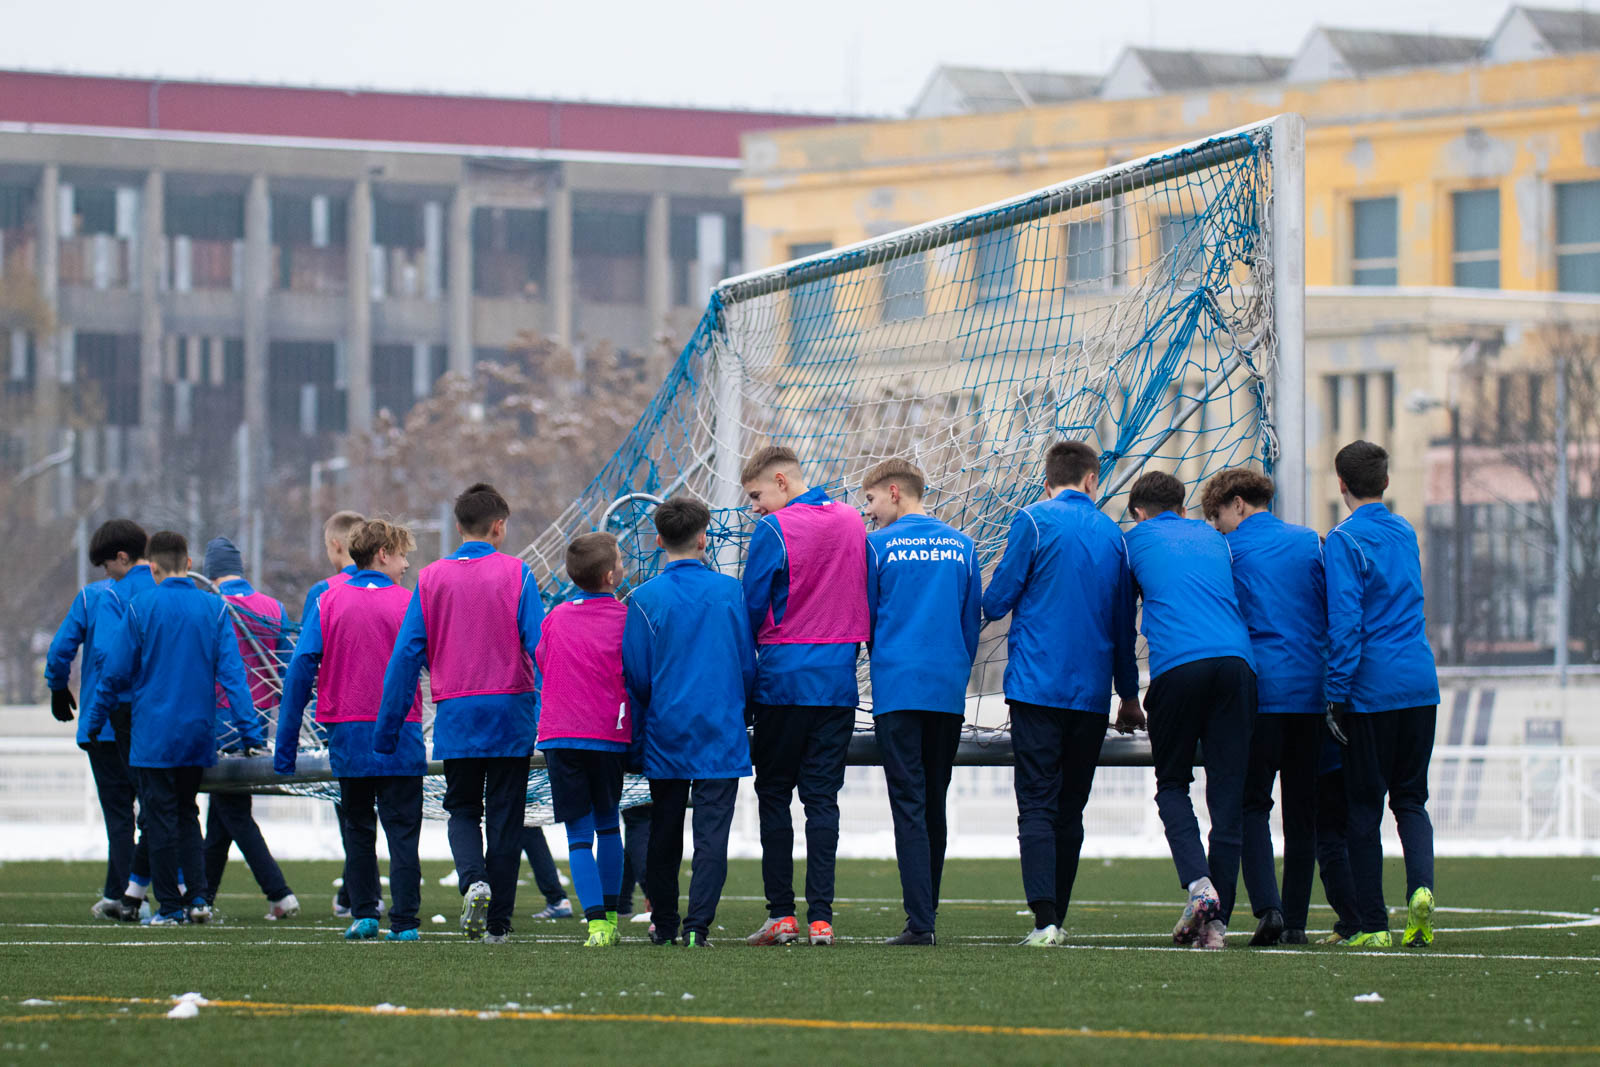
[(924, 596), (805, 587), (131, 574), (345, 643), (584, 726), (1383, 692), (174, 650), (475, 623), (335, 541), (1065, 577), (689, 663), (262, 627), (1278, 579), (115, 545), (1202, 691)]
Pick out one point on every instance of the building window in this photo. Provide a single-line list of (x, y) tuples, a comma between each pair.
[(105, 369), (508, 252), (994, 266), (305, 388), (1475, 252), (1086, 254), (1182, 237), (715, 238), (608, 256), (1331, 387), (905, 284), (1388, 400), (1359, 381), (205, 240), (1578, 237), (810, 307), (1375, 257), (407, 254), (309, 239)]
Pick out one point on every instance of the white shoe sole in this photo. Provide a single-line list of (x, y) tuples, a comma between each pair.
[(475, 913)]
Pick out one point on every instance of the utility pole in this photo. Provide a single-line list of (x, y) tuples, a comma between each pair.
[(1561, 517), (1458, 528)]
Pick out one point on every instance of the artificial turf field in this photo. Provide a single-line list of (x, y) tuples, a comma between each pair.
[(1514, 974)]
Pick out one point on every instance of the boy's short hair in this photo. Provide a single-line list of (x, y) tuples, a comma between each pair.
[(765, 460), (117, 535), (1156, 492), (902, 472), (1364, 467), (1069, 463), (169, 550), (590, 558), (340, 524), (378, 535), (479, 506), (1253, 487), (679, 521)]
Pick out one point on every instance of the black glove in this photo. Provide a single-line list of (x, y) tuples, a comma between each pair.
[(1337, 710), (62, 702)]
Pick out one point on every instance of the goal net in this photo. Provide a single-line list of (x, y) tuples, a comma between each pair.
[(1153, 309)]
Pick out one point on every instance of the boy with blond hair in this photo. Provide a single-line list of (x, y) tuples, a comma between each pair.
[(347, 638), (805, 586), (924, 604)]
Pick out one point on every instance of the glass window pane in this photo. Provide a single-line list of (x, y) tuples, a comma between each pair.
[(1577, 213), (1478, 274), (1086, 251), (1375, 276), (810, 306), (904, 282), (1476, 220), (994, 265), (1578, 274), (1376, 229)]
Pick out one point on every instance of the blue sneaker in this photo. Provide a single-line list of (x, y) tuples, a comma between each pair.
[(362, 930), (164, 918), (561, 909), (403, 935)]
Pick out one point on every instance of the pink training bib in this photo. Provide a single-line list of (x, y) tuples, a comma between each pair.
[(266, 633), (359, 627), (827, 553), (580, 664), (470, 609)]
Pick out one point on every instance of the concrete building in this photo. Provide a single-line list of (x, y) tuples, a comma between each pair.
[(288, 262)]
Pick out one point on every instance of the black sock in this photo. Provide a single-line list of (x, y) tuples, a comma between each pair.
[(1044, 913)]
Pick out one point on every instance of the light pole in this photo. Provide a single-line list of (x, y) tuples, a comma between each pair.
[(318, 468)]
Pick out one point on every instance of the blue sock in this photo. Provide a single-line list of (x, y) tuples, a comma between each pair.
[(585, 873), (608, 856)]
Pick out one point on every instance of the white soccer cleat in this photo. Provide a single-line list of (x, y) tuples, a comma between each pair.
[(1213, 935), (285, 908), (475, 910), (1041, 937), (106, 908)]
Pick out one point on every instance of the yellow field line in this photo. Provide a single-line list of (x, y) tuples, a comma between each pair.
[(858, 1025)]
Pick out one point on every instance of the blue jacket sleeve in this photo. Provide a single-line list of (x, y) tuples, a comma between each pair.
[(400, 679), (108, 630), (1124, 654), (1345, 575), (1011, 576), (972, 604), (638, 665), (64, 646), (235, 686), (747, 662), (117, 656), (764, 567), (297, 683)]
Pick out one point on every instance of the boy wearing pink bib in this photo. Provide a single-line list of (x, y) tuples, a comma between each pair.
[(475, 623), (585, 726), (805, 585), (345, 643)]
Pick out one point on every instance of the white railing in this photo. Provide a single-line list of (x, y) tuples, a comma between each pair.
[(1499, 800)]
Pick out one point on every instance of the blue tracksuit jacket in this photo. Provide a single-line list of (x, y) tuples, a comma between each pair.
[(806, 675), (1065, 576), (924, 600), (315, 592), (1379, 658), (1277, 575), (108, 623), (689, 662), (77, 631), (175, 647), (1184, 572)]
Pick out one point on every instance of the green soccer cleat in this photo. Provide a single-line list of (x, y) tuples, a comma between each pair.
[(1371, 939), (602, 934), (1419, 920)]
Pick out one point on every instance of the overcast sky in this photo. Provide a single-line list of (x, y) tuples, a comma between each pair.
[(824, 55)]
